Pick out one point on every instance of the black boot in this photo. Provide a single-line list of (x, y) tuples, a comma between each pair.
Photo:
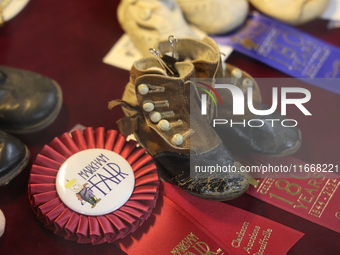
[(29, 102), (14, 157)]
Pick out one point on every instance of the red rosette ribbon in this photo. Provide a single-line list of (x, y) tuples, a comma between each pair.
[(110, 227)]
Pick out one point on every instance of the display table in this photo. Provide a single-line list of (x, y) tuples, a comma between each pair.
[(66, 41)]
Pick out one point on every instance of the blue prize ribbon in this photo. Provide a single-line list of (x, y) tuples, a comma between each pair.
[(287, 49)]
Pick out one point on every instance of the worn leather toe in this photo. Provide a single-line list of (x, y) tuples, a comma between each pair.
[(214, 175), (28, 101)]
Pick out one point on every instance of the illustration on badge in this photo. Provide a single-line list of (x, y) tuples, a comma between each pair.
[(83, 192)]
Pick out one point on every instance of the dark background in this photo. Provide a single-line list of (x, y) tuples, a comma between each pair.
[(66, 41)]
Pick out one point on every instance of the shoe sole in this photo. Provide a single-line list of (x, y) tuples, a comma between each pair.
[(44, 123), (10, 176), (218, 197)]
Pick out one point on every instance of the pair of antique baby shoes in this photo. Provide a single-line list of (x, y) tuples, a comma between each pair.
[(162, 107), (150, 21)]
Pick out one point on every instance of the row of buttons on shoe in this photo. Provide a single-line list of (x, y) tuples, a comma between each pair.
[(157, 117)]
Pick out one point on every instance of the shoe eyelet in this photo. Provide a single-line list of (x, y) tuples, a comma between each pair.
[(236, 73), (143, 89)]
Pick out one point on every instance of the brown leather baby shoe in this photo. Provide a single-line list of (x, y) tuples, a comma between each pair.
[(167, 121)]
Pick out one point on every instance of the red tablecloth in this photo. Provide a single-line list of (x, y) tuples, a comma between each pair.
[(66, 40)]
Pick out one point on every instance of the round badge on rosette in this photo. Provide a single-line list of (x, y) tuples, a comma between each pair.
[(93, 186)]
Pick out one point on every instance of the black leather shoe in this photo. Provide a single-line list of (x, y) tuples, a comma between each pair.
[(14, 157), (29, 102)]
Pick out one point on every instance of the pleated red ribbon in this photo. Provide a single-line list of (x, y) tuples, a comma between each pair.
[(92, 229)]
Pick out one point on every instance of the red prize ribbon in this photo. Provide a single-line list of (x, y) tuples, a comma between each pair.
[(53, 212), (190, 225), (306, 191)]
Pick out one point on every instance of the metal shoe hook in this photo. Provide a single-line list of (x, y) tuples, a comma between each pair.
[(155, 52), (160, 60), (173, 41)]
